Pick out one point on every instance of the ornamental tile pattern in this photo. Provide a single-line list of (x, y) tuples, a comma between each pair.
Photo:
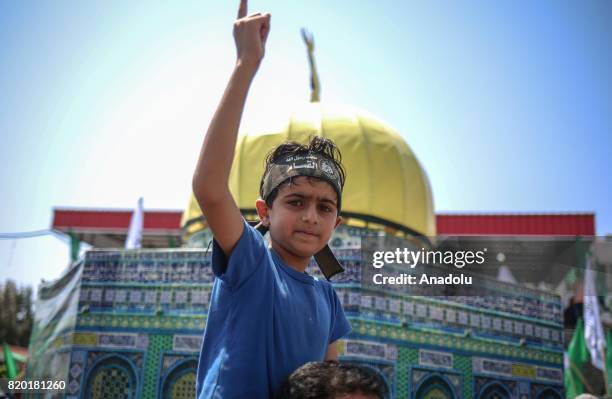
[(148, 308)]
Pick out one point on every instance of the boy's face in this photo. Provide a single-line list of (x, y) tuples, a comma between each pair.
[(302, 218)]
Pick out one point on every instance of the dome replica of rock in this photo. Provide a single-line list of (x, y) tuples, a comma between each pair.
[(385, 182), (385, 187)]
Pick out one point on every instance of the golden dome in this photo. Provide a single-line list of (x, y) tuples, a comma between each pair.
[(385, 182)]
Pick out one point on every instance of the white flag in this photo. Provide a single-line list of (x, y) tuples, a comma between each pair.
[(593, 330), (505, 275), (134, 236)]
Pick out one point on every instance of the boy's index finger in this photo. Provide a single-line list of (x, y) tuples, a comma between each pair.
[(242, 10)]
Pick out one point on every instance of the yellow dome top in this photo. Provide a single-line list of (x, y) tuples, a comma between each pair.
[(385, 182)]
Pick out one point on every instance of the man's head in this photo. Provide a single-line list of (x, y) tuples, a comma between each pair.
[(301, 193), (333, 380)]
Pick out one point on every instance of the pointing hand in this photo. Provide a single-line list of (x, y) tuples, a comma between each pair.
[(250, 34)]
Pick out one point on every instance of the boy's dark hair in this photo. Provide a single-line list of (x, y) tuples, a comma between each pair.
[(316, 145), (326, 380)]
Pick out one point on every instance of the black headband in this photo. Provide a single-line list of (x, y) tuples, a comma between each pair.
[(294, 165)]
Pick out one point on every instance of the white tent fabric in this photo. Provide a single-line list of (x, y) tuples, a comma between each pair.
[(134, 237)]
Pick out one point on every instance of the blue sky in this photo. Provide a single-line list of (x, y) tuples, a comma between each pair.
[(508, 105)]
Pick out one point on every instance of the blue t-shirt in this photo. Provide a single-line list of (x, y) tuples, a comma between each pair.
[(265, 320)]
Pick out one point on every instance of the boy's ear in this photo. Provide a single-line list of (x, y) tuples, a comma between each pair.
[(262, 212), (338, 221)]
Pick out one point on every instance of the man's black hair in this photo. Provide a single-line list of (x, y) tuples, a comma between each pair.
[(326, 380), (317, 145)]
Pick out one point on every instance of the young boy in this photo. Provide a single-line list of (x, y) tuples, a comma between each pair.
[(267, 317)]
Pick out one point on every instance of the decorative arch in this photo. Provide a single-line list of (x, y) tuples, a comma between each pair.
[(494, 390), (112, 376), (180, 380), (435, 386), (549, 393)]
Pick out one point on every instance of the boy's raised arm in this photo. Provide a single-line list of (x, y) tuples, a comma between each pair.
[(210, 180)]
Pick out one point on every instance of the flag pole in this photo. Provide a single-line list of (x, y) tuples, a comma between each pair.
[(605, 371), (581, 377), (571, 377)]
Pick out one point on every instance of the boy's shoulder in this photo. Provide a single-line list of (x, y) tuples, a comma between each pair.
[(248, 253), (326, 287)]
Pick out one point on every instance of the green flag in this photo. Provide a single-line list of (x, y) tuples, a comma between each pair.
[(75, 245), (577, 357), (11, 367)]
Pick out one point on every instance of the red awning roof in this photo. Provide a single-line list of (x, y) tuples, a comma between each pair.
[(570, 224), (115, 220), (108, 228)]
